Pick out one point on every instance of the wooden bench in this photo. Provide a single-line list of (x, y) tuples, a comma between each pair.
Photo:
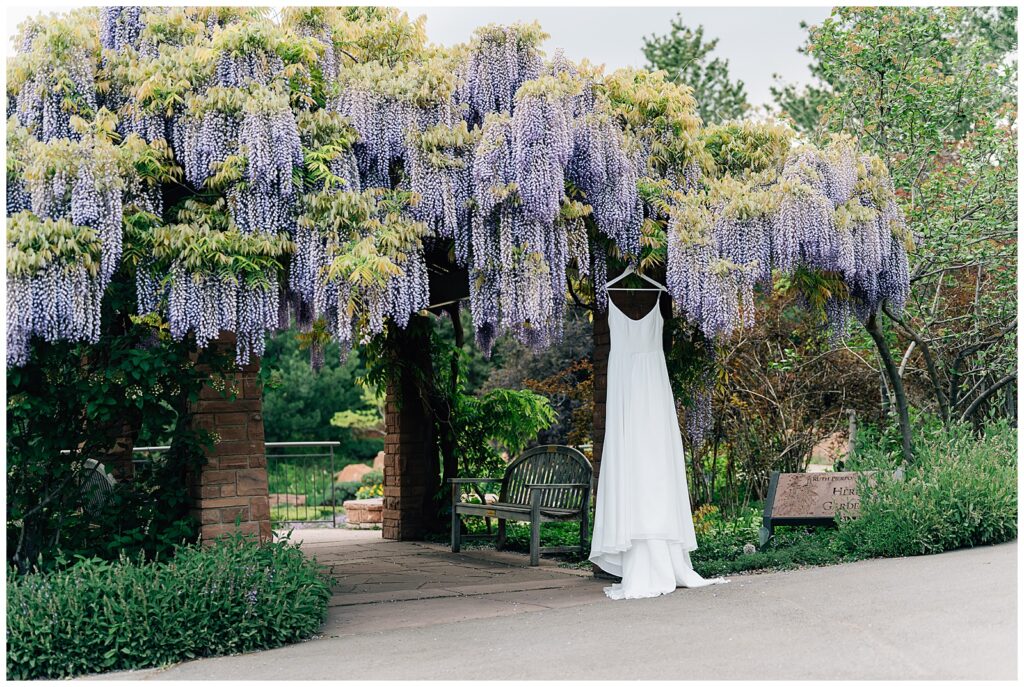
[(544, 484)]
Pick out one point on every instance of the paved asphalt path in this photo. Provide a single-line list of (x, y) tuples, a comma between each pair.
[(950, 616)]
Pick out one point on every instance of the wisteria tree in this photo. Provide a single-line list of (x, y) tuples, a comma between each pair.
[(249, 171)]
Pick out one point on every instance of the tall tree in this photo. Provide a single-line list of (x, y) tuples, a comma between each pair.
[(684, 54), (933, 93), (990, 30)]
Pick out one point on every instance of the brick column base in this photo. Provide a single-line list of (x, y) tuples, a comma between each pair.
[(233, 482)]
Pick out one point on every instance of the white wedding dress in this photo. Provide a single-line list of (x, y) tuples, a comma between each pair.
[(643, 527)]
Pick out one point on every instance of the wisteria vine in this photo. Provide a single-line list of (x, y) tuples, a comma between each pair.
[(311, 169)]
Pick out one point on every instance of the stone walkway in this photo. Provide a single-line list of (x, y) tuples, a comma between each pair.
[(475, 583)]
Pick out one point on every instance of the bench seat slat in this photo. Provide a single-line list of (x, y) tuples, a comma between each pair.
[(510, 511)]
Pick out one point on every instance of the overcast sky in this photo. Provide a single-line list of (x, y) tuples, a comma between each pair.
[(757, 41)]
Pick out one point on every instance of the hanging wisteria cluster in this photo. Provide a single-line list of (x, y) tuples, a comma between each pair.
[(601, 167), (57, 81), (440, 166), (264, 200), (354, 276), (207, 304), (245, 55), (206, 135), (501, 60), (18, 197), (120, 27), (80, 180), (828, 211), (205, 290), (330, 163), (387, 104), (54, 287)]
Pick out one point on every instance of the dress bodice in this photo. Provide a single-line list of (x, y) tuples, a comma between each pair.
[(635, 336)]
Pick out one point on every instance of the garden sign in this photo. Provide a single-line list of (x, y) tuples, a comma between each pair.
[(815, 498)]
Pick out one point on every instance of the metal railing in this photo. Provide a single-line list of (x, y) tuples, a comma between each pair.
[(301, 483), (300, 479)]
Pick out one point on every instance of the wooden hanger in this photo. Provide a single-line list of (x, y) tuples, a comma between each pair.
[(629, 270)]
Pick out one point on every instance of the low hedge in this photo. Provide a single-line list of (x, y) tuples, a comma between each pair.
[(961, 490), (233, 596)]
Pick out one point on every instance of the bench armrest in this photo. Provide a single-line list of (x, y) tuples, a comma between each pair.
[(473, 480), (568, 485)]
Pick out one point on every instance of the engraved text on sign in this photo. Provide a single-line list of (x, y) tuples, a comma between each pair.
[(816, 495)]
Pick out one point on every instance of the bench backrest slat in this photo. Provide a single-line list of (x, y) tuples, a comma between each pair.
[(547, 465)]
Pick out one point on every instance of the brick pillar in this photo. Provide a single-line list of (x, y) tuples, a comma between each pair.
[(405, 469), (233, 482), (409, 484), (635, 304), (119, 460)]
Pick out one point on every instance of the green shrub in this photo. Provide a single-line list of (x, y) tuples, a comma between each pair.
[(960, 491), (95, 615), (86, 398), (792, 547), (372, 478), (343, 491)]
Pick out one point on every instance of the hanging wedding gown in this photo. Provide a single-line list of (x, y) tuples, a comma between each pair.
[(643, 528)]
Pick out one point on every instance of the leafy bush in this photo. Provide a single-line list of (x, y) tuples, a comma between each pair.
[(95, 615), (372, 478), (960, 491), (506, 419), (73, 402), (343, 491)]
